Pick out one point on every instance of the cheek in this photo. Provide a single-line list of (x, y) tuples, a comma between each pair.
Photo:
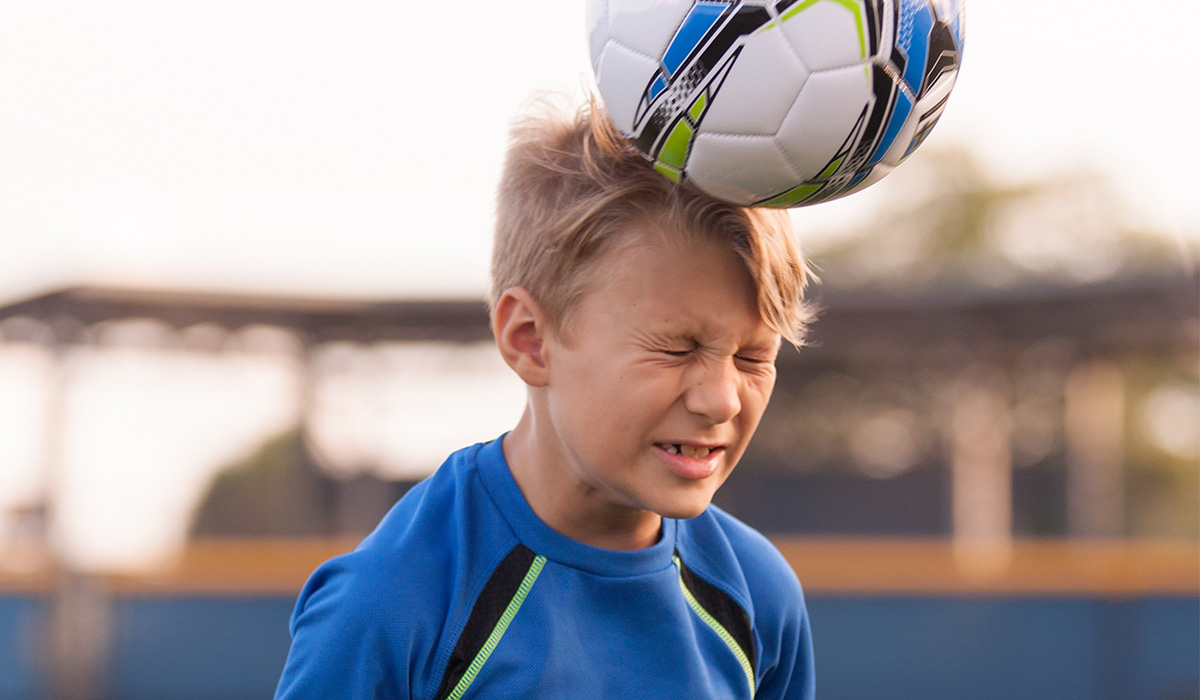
[(755, 400), (628, 409), (605, 398)]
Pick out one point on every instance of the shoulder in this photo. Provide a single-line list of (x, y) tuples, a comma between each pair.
[(425, 538), (727, 548), (748, 567), (745, 564), (411, 538), (392, 597)]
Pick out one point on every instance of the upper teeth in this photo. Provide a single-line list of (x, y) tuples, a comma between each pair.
[(688, 450)]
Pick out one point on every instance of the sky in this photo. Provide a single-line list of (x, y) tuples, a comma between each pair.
[(352, 149)]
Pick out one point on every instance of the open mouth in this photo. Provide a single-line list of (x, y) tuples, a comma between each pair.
[(692, 451)]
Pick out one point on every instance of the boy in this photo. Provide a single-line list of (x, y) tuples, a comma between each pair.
[(578, 555)]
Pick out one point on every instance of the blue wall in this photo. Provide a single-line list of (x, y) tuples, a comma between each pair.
[(900, 647), (22, 643), (1003, 648), (198, 648)]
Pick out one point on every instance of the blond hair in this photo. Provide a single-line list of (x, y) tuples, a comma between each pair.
[(572, 186)]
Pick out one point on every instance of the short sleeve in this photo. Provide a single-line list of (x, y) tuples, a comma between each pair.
[(792, 675), (339, 645)]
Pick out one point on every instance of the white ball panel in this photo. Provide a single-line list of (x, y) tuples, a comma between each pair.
[(743, 169), (596, 16), (647, 27), (825, 36), (887, 23), (937, 92), (822, 117), (767, 75), (617, 70)]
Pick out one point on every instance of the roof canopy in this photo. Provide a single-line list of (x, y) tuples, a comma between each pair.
[(1148, 313)]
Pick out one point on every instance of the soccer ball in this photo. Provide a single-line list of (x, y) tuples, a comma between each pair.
[(777, 103)]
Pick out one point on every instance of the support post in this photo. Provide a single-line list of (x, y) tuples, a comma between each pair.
[(981, 472)]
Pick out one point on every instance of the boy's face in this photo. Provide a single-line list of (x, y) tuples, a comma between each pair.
[(657, 387)]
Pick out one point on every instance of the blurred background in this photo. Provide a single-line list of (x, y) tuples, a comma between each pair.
[(243, 248)]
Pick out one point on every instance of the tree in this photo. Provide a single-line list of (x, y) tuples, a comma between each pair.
[(947, 221)]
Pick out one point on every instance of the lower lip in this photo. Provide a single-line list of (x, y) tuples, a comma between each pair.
[(690, 467)]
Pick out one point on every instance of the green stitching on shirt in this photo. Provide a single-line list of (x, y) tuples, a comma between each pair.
[(717, 627), (493, 639)]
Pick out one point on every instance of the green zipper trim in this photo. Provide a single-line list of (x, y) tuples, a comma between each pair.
[(717, 627), (493, 639)]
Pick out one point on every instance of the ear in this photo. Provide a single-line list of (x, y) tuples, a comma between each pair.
[(520, 329)]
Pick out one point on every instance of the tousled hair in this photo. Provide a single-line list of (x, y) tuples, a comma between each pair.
[(573, 186)]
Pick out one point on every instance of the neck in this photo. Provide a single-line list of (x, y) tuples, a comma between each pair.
[(568, 505)]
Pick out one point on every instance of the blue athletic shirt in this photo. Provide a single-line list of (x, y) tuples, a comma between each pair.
[(463, 592)]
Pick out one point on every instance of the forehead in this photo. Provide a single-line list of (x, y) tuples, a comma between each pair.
[(664, 283)]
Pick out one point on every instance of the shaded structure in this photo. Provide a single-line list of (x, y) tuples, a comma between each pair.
[(953, 358), (1144, 313), (73, 312), (987, 387)]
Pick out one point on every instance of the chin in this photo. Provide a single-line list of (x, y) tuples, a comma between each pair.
[(683, 511)]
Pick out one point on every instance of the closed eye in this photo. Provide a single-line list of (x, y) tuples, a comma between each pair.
[(752, 360)]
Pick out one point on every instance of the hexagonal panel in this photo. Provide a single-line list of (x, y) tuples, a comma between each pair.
[(596, 21), (645, 27), (822, 117), (827, 34), (740, 169), (759, 88)]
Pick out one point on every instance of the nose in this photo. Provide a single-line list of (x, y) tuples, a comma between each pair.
[(714, 391)]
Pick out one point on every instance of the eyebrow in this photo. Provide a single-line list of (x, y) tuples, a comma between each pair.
[(686, 338)]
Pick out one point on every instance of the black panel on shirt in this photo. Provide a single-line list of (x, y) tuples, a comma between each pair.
[(723, 609), (485, 615)]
